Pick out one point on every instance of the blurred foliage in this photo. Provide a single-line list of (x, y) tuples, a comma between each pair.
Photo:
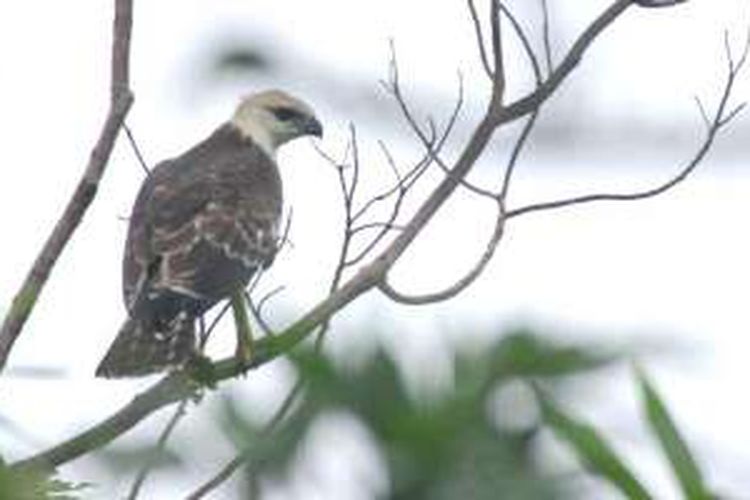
[(462, 442), (241, 58), (593, 450), (453, 446), (32, 485), (673, 445), (465, 442), (127, 460), (450, 446), (600, 458)]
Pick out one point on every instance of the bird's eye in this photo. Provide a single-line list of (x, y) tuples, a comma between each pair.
[(285, 114)]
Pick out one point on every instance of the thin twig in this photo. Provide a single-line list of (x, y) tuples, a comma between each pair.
[(402, 184), (376, 225), (355, 161), (202, 333), (704, 114), (480, 38), (121, 99), (721, 118), (257, 310), (546, 36), (525, 43), (517, 148), (526, 132), (432, 146), (136, 149), (459, 285), (158, 449), (497, 234), (398, 186), (285, 240), (215, 322), (658, 3)]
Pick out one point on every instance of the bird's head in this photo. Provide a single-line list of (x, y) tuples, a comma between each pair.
[(273, 117)]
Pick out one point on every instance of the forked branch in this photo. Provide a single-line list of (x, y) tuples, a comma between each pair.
[(722, 116)]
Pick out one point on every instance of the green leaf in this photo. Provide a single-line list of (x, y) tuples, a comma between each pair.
[(676, 450), (37, 485), (523, 353), (592, 450)]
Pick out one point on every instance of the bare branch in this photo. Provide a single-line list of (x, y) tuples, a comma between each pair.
[(498, 80), (158, 449), (433, 147), (732, 114), (285, 240), (517, 148), (376, 225), (527, 104), (136, 149), (206, 333), (257, 310), (172, 388), (521, 141), (721, 118), (461, 284), (658, 3), (355, 163), (546, 37), (525, 42), (121, 99), (704, 114), (480, 38), (398, 186)]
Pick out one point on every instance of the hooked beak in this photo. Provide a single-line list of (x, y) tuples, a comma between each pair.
[(312, 126)]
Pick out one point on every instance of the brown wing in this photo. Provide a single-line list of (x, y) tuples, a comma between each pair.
[(204, 222)]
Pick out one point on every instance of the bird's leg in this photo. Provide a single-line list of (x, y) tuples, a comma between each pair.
[(244, 350)]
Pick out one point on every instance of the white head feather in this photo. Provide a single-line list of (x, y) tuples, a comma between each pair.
[(273, 117)]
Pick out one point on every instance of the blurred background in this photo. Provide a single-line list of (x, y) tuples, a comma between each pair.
[(663, 281)]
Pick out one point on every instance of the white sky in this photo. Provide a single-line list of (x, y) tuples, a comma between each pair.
[(673, 267)]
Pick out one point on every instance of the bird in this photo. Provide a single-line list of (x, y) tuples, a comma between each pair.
[(203, 223)]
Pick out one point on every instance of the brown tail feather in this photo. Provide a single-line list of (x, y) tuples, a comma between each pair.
[(140, 350)]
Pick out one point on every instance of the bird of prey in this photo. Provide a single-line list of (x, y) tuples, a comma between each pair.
[(203, 223)]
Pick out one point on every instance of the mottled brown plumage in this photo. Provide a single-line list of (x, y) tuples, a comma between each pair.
[(202, 225)]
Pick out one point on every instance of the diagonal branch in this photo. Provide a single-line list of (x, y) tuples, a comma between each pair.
[(121, 99), (170, 389)]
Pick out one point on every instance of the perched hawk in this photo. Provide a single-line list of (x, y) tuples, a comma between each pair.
[(203, 223)]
